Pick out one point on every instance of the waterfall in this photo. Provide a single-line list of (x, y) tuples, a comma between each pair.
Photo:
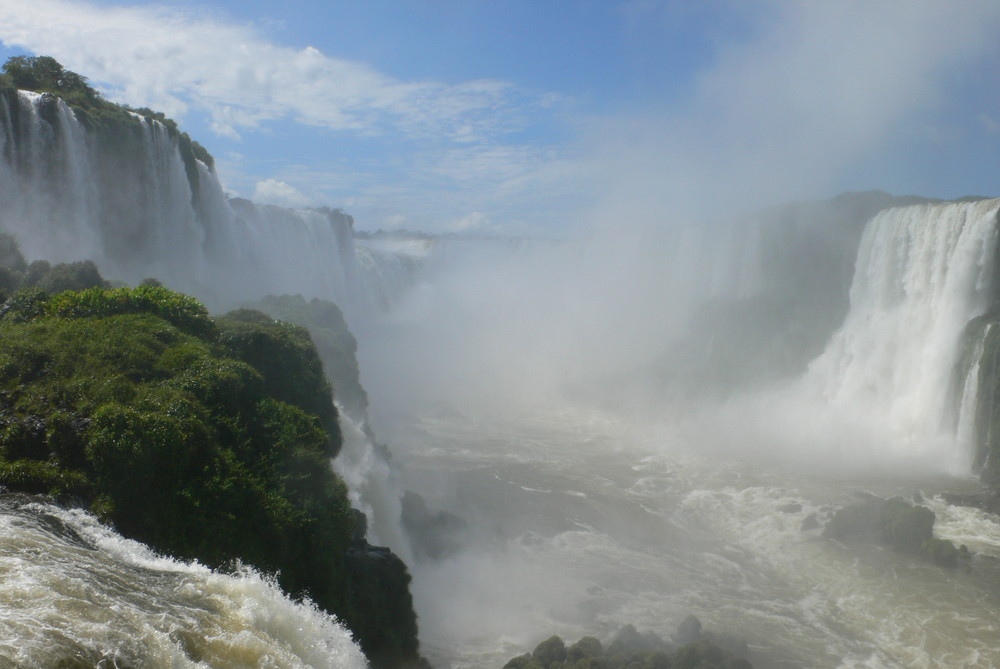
[(77, 594), (922, 273), (131, 199), (969, 401), (129, 196), (372, 486)]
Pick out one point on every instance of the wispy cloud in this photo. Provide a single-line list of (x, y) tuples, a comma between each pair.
[(272, 191), (177, 60), (804, 94)]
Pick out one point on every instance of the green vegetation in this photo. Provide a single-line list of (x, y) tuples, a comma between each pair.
[(285, 356), (44, 74), (205, 439), (335, 344), (16, 274), (116, 125)]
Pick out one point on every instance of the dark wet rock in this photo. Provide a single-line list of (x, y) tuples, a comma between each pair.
[(727, 642), (551, 650), (525, 661), (631, 649), (586, 647), (873, 520), (629, 641), (791, 507), (433, 534), (811, 522), (389, 624), (689, 631), (896, 523)]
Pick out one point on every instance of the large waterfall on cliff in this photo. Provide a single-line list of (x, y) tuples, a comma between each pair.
[(629, 430), (922, 274), (130, 198)]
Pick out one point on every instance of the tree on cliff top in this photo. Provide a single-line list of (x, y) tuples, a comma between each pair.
[(44, 74)]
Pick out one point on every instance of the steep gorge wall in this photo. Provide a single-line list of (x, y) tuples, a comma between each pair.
[(129, 193)]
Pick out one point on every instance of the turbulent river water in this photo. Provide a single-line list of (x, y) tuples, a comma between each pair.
[(584, 523), (76, 595)]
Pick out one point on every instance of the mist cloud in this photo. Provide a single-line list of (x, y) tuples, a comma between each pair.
[(812, 91), (273, 191)]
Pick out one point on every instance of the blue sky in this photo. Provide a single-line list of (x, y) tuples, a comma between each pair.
[(519, 116)]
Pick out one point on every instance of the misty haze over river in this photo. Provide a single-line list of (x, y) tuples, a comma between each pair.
[(634, 428), (653, 408)]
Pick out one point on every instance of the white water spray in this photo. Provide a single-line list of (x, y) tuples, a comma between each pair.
[(132, 207), (372, 485), (77, 594), (922, 274)]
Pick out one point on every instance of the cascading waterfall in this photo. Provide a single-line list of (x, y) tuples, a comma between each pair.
[(127, 199), (969, 402), (77, 594), (138, 206), (132, 196), (373, 488), (922, 273)]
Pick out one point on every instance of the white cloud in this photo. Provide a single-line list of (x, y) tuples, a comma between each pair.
[(394, 222), (272, 191), (174, 61), (469, 222)]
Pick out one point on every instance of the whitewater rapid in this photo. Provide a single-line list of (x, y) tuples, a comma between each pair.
[(591, 511), (78, 595), (584, 523)]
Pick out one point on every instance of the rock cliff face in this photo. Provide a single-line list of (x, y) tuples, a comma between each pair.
[(790, 296), (131, 193), (139, 198), (206, 439)]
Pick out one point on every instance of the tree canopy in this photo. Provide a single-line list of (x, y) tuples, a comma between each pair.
[(44, 74)]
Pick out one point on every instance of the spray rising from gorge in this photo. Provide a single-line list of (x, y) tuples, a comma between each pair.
[(631, 427)]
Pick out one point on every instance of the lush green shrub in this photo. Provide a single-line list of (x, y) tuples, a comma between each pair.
[(285, 356), (24, 305), (112, 122), (586, 647), (71, 276), (334, 342), (134, 403), (551, 650), (181, 311)]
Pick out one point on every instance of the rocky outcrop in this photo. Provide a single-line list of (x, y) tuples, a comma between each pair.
[(896, 523), (693, 648)]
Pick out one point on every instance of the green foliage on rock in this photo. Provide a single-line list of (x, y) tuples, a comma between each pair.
[(10, 254), (551, 650), (44, 74), (334, 343), (181, 311), (184, 434), (285, 355), (116, 125)]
